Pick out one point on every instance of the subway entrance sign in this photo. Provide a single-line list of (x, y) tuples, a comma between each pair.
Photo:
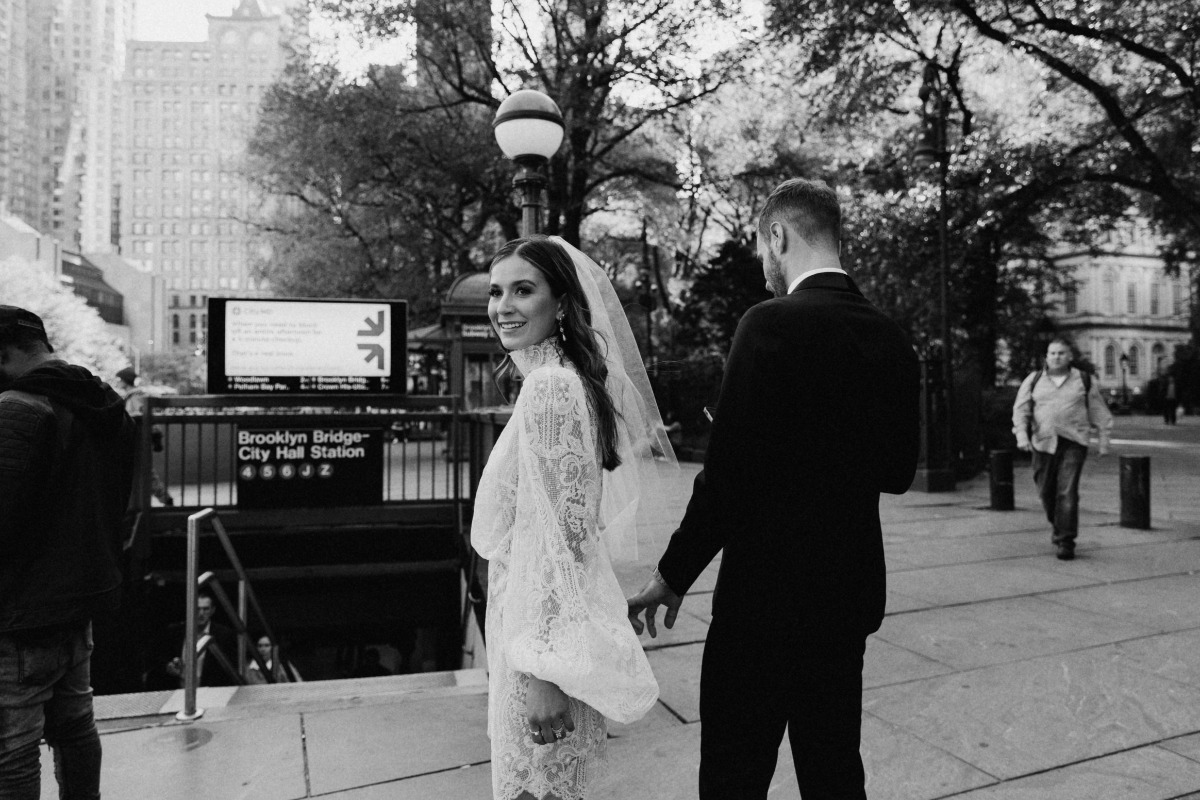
[(309, 466), (266, 345)]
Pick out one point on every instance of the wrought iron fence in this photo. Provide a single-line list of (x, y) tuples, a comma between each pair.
[(192, 444)]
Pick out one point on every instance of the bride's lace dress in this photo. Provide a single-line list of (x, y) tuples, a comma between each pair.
[(555, 609)]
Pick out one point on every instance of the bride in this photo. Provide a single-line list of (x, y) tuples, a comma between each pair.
[(557, 499)]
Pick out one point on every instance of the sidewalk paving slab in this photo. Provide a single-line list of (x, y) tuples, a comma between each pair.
[(988, 580), (1021, 718), (1147, 773), (252, 758), (1165, 604), (1171, 655), (998, 631), (393, 741)]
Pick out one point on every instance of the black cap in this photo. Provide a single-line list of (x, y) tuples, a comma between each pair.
[(127, 375), (18, 324)]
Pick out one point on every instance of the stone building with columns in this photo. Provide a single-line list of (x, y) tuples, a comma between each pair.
[(1125, 313)]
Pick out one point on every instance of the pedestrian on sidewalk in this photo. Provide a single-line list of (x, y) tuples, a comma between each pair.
[(1057, 408), (1170, 400), (66, 473), (818, 414)]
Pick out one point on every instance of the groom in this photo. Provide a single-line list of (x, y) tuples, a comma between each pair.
[(818, 414)]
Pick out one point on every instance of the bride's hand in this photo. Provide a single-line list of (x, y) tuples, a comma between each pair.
[(547, 712)]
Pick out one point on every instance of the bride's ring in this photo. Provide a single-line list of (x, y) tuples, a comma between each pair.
[(559, 732)]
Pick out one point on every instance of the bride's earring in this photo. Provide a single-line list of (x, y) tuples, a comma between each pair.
[(561, 330)]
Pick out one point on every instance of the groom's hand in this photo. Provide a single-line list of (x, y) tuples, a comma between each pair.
[(655, 593)]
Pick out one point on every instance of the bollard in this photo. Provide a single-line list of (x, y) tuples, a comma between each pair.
[(1135, 491), (1001, 481)]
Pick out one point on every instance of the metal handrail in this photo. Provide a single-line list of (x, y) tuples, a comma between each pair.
[(245, 595)]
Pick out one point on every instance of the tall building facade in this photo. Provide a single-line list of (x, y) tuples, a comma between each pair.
[(61, 63), (190, 108), (1125, 313)]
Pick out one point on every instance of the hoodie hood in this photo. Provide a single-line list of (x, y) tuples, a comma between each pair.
[(91, 400)]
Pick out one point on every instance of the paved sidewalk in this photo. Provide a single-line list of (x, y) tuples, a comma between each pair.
[(999, 673)]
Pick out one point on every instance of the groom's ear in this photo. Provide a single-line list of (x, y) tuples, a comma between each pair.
[(777, 238)]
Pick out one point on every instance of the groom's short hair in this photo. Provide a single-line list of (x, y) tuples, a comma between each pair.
[(809, 207)]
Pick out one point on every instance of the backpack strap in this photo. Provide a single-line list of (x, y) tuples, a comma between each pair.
[(1084, 375)]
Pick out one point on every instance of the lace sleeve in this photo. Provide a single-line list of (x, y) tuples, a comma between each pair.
[(565, 613)]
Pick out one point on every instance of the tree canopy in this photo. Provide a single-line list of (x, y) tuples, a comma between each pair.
[(1123, 72), (614, 67), (391, 182), (374, 190), (75, 330)]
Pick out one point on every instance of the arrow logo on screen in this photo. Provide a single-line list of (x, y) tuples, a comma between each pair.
[(374, 328), (374, 351)]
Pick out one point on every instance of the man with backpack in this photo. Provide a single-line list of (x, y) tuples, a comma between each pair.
[(1057, 408), (66, 471)]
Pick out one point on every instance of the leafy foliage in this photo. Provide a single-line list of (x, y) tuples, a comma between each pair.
[(614, 67), (184, 371), (391, 184), (384, 194), (75, 330), (1121, 75), (720, 293)]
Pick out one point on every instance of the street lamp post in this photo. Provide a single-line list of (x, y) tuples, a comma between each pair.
[(529, 129), (937, 473), (1124, 386)]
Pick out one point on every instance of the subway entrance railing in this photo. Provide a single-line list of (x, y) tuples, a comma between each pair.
[(379, 558), (192, 443)]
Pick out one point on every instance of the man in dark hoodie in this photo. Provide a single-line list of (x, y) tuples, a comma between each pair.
[(66, 472)]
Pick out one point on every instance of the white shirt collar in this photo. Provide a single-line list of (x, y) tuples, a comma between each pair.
[(804, 275)]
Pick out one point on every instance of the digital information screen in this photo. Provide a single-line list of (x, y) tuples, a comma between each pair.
[(310, 346)]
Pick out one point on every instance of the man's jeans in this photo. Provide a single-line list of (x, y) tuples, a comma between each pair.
[(45, 691), (1057, 477)]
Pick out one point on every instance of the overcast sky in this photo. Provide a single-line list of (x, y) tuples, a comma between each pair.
[(177, 20), (184, 21)]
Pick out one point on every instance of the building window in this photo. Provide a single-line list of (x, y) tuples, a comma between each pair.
[(1110, 301), (1071, 305), (1135, 354), (1158, 355), (1131, 298), (1177, 298), (1110, 361), (1155, 289)]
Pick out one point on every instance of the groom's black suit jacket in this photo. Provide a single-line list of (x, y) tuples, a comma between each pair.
[(818, 414)]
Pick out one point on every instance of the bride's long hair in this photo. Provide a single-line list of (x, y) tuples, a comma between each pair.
[(581, 343)]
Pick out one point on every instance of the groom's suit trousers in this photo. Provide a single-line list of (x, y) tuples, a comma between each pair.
[(752, 688)]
